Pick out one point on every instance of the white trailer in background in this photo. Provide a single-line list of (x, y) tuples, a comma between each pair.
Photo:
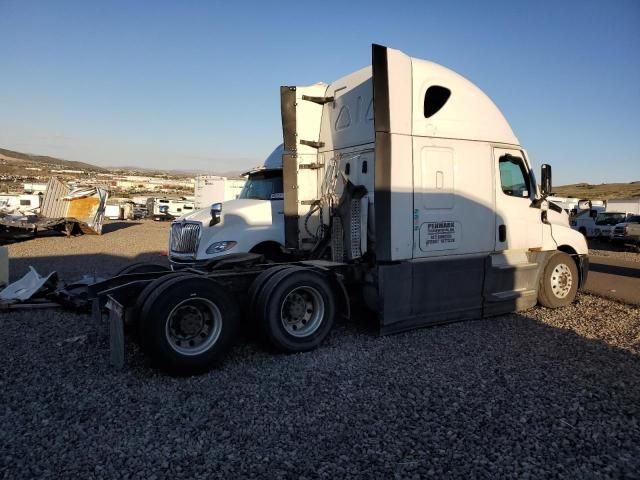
[(21, 203), (404, 188), (113, 212), (210, 189)]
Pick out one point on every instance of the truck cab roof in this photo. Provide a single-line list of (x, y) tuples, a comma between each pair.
[(273, 162)]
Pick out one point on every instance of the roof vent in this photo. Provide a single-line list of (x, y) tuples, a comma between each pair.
[(434, 99)]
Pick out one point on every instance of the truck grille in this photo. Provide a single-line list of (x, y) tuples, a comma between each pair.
[(184, 237), (618, 231)]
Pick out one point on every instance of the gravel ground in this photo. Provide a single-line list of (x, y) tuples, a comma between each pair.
[(607, 249), (545, 393), (120, 244)]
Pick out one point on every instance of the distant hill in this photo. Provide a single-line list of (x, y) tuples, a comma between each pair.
[(45, 161), (179, 172), (603, 191)]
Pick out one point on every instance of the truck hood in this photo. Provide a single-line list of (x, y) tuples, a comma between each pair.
[(558, 218), (240, 211)]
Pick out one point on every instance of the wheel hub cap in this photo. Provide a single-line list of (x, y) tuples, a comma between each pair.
[(302, 311), (561, 280), (193, 326)]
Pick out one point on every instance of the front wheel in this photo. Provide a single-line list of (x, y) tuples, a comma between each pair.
[(188, 324), (559, 281)]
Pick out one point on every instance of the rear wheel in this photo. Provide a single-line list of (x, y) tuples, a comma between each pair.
[(189, 324), (559, 281), (296, 310), (133, 317), (258, 284)]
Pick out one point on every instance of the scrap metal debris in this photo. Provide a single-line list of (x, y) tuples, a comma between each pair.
[(28, 286), (63, 209), (36, 291)]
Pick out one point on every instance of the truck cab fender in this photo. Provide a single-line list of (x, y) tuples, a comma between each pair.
[(582, 262)]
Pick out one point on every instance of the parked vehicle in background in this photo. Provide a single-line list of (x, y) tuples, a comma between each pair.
[(251, 223), (169, 208), (616, 211), (210, 189), (584, 221), (113, 212), (627, 231), (605, 222)]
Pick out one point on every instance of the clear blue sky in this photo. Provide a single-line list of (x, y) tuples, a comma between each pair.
[(194, 84)]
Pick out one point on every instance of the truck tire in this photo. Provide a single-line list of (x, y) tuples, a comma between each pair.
[(258, 284), (142, 267), (559, 281), (296, 309), (189, 324), (134, 315)]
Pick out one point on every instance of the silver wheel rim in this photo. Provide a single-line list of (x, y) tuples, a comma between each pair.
[(561, 280), (193, 326), (302, 311)]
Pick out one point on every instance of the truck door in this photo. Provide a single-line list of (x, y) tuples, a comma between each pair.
[(518, 223)]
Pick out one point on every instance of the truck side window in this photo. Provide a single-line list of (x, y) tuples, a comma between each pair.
[(434, 99), (513, 176)]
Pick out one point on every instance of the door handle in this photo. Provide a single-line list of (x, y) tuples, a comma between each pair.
[(502, 233)]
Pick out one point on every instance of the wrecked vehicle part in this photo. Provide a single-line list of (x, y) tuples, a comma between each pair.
[(30, 285), (84, 205)]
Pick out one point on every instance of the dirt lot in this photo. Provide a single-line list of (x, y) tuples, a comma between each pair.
[(542, 393), (121, 243)]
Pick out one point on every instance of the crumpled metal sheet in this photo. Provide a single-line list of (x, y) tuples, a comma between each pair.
[(28, 286), (85, 204)]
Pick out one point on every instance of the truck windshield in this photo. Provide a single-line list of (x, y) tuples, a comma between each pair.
[(261, 185), (610, 218)]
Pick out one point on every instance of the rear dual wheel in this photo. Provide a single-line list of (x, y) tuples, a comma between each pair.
[(294, 309), (188, 324)]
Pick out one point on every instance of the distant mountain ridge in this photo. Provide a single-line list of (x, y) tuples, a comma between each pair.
[(47, 160), (604, 191), (54, 162)]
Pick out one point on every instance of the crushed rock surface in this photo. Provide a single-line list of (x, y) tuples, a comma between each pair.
[(121, 243), (600, 248), (544, 393)]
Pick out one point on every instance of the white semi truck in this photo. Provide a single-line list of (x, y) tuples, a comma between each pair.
[(254, 222), (404, 189)]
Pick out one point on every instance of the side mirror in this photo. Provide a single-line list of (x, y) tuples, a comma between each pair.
[(545, 179)]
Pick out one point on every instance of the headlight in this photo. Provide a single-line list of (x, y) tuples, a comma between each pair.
[(219, 247), (216, 212)]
